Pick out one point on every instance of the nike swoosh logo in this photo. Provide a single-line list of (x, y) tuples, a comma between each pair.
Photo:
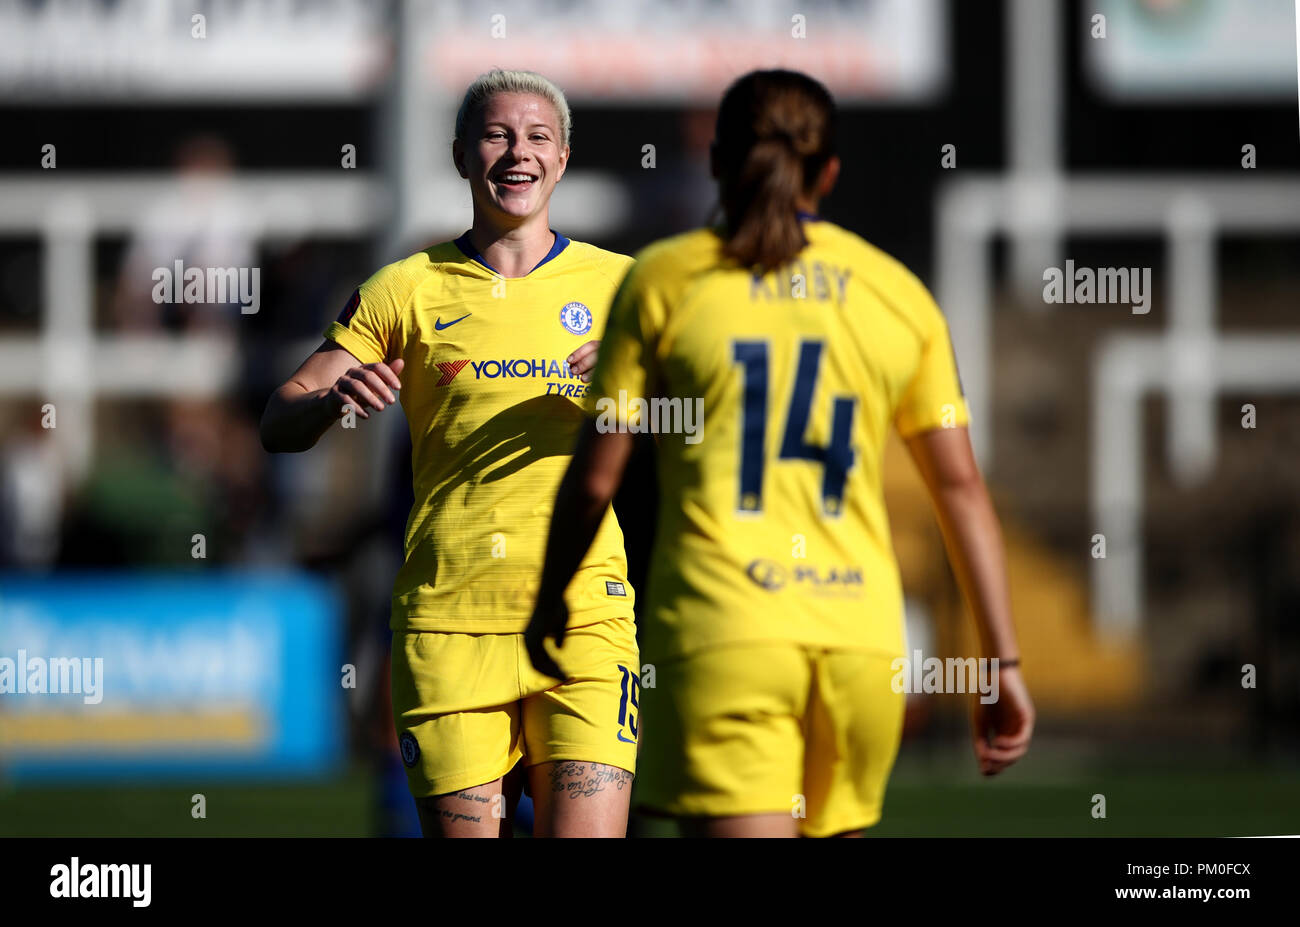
[(624, 739), (437, 323)]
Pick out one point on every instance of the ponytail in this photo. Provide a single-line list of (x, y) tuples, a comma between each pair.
[(760, 206), (775, 132)]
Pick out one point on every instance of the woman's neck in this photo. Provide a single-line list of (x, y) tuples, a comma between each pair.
[(512, 251)]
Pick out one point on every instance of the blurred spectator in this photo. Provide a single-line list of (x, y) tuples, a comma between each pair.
[(680, 193), (202, 224), (31, 496), (195, 469)]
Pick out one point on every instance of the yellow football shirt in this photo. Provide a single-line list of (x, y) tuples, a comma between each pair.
[(772, 522), (494, 413)]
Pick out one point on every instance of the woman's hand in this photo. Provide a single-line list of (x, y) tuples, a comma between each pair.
[(370, 385), (1002, 729), (583, 361), (547, 621), (329, 381)]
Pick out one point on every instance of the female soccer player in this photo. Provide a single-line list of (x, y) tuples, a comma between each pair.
[(775, 608), (489, 339)]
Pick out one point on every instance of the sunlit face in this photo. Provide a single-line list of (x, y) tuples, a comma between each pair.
[(512, 154)]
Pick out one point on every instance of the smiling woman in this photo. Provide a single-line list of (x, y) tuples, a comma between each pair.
[(512, 145), (487, 339)]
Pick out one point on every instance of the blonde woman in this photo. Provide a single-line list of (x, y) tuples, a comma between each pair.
[(490, 339)]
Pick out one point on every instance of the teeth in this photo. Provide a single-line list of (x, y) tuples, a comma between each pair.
[(511, 178)]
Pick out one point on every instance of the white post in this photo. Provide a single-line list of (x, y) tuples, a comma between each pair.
[(1193, 290), (1034, 128), (67, 329)]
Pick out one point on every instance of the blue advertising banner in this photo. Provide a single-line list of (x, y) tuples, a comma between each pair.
[(145, 675)]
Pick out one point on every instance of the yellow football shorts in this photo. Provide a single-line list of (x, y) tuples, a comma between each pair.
[(468, 707), (771, 727)]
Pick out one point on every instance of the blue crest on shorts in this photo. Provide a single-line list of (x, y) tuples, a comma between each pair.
[(410, 748)]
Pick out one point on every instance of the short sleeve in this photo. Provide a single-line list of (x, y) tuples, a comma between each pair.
[(626, 366), (934, 398), (366, 324)]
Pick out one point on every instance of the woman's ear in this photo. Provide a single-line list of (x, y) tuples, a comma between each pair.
[(830, 173), (564, 162), (458, 158)]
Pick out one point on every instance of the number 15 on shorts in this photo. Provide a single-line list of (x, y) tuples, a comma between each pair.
[(627, 715)]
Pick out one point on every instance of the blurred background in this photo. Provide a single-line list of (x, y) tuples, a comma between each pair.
[(1143, 463)]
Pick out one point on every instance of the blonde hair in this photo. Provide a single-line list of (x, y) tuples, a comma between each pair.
[(501, 81)]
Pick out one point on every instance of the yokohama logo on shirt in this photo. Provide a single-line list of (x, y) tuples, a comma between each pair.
[(449, 370)]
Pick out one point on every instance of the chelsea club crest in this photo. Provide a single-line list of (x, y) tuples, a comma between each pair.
[(576, 318), (410, 748)]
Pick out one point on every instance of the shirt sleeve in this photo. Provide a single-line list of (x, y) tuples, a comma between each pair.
[(366, 324), (627, 366), (934, 398)]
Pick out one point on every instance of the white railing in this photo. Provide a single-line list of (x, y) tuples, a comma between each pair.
[(68, 364), (1191, 364)]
